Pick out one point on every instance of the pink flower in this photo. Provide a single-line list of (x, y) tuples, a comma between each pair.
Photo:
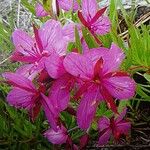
[(66, 5), (116, 127), (24, 94), (51, 112), (58, 137), (92, 18), (40, 52), (100, 80), (60, 91), (40, 12), (58, 99)]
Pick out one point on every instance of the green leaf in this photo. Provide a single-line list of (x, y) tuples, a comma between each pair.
[(147, 77), (89, 38), (122, 105), (71, 46), (141, 92), (79, 1), (47, 5), (29, 6), (78, 41), (103, 111), (113, 12)]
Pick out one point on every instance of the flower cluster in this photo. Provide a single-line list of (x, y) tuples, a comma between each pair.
[(51, 78)]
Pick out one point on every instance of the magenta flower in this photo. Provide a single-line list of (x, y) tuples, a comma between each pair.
[(60, 91), (92, 18), (45, 50), (58, 137), (58, 99), (68, 5), (101, 81), (63, 4), (40, 12), (51, 112), (116, 127), (24, 94)]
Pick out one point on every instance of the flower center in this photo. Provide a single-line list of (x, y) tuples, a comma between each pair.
[(45, 53)]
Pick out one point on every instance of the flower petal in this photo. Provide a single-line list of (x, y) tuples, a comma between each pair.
[(113, 59), (27, 71), (60, 92), (54, 66), (103, 123), (40, 12), (101, 26), (19, 81), (96, 53), (58, 137), (20, 98), (51, 112), (52, 38), (78, 65), (87, 107), (89, 9), (67, 5), (22, 41), (120, 87), (103, 139)]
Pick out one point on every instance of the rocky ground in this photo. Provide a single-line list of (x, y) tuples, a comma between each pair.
[(22, 17)]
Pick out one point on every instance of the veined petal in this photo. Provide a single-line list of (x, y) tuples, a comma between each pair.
[(58, 137), (27, 71), (51, 112), (120, 87), (19, 81), (103, 139), (26, 47), (103, 123), (101, 26), (79, 66), (96, 53), (52, 38), (89, 9), (22, 42), (49, 33), (87, 108), (54, 66), (68, 5), (113, 59), (40, 12), (20, 98), (60, 92)]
